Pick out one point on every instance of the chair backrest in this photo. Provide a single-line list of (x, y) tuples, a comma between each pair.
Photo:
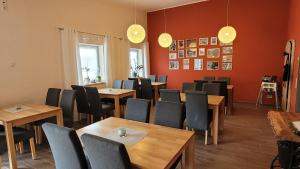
[(65, 146), (212, 88), (209, 78), (199, 84), (163, 78), (136, 87), (117, 84), (94, 100), (152, 77), (146, 89), (128, 84), (81, 99), (197, 110), (169, 114), (138, 110), (105, 154), (188, 87), (227, 79), (67, 105), (170, 95), (52, 98), (223, 89)]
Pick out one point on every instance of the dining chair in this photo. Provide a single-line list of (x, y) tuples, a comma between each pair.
[(104, 153), (170, 95), (136, 87), (67, 106), (128, 84), (209, 78), (198, 116), (188, 87), (199, 84), (223, 78), (152, 77), (20, 135), (65, 147), (163, 78), (52, 98), (223, 90), (97, 108), (138, 110), (212, 88), (146, 89), (117, 84), (81, 100)]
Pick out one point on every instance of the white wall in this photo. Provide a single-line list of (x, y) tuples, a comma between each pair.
[(30, 53)]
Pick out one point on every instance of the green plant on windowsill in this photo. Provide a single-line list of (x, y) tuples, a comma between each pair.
[(137, 70)]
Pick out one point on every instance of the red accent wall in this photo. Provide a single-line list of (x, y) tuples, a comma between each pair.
[(294, 33), (261, 27)]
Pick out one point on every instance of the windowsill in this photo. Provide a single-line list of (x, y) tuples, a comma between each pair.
[(95, 83)]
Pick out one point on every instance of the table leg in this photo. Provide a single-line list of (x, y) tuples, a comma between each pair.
[(134, 94), (117, 107), (221, 119), (10, 146), (156, 95), (230, 102), (190, 154), (215, 124), (60, 118)]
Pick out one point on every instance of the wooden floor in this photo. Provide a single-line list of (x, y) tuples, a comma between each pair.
[(246, 143)]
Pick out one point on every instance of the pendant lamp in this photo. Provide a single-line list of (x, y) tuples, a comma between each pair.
[(165, 39), (227, 34), (136, 32)]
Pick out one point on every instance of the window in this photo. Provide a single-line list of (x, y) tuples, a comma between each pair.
[(136, 62)]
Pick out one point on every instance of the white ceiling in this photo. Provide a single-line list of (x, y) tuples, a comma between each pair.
[(154, 5)]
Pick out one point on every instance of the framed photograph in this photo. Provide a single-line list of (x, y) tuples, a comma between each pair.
[(213, 41), (203, 41), (186, 64), (191, 43), (227, 50), (198, 64), (172, 47), (212, 65), (201, 51), (227, 58), (180, 44), (226, 44), (213, 53), (227, 66), (180, 54), (191, 52), (172, 56), (173, 65)]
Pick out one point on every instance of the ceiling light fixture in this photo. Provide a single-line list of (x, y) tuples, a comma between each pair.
[(165, 39), (227, 34)]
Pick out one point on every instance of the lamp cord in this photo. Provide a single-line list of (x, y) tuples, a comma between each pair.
[(135, 11), (227, 12), (165, 18)]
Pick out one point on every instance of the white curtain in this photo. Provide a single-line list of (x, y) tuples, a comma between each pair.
[(69, 42), (146, 58), (117, 52)]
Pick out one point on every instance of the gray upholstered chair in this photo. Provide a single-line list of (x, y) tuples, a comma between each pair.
[(188, 87), (212, 88), (223, 89), (170, 95), (67, 105), (52, 98), (198, 116), (65, 146), (138, 110), (146, 89), (105, 154), (223, 78), (163, 78), (209, 78), (199, 84), (152, 77), (128, 84), (117, 84)]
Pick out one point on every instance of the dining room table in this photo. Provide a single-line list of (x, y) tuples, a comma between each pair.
[(229, 109), (154, 147)]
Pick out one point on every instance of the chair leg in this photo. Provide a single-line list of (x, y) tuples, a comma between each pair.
[(206, 133), (92, 118), (40, 135), (36, 134), (0, 161), (32, 148), (17, 147), (21, 147)]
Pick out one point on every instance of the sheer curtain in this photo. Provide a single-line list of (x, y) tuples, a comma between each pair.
[(146, 58)]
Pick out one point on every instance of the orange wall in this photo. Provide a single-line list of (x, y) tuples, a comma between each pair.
[(261, 27), (294, 33)]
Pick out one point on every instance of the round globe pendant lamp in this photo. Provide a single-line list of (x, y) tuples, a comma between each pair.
[(165, 39), (136, 32), (227, 34)]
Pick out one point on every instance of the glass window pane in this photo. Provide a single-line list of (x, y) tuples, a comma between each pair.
[(89, 59)]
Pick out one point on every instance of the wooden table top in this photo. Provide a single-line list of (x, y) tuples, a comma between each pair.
[(281, 124), (34, 110), (159, 149), (110, 91), (212, 99)]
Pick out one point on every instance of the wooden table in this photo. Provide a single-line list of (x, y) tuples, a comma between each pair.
[(280, 122), (216, 103), (158, 150), (35, 113), (156, 86), (116, 94), (230, 99)]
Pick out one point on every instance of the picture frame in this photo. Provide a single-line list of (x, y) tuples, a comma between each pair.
[(213, 53), (172, 56), (173, 65), (180, 54), (213, 41), (198, 64), (186, 64), (180, 44), (201, 51), (227, 50), (213, 65), (203, 41), (227, 66), (227, 58), (191, 43), (172, 47), (191, 52)]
